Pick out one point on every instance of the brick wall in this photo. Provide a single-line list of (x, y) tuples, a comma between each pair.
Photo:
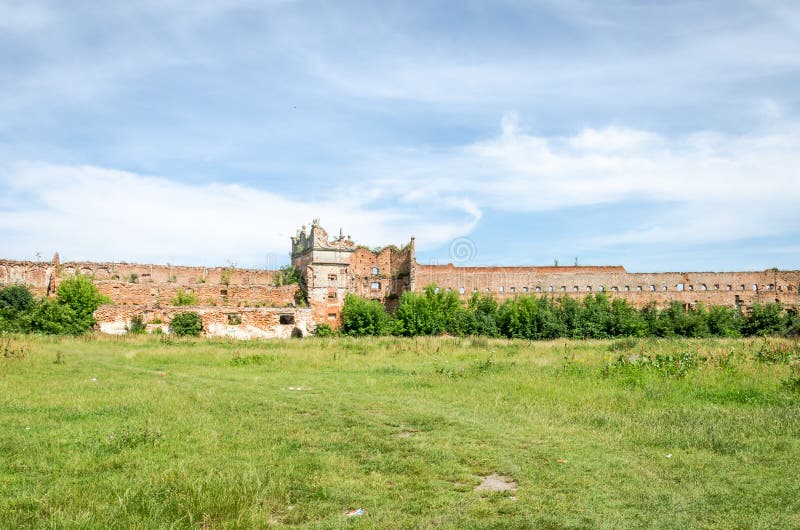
[(233, 322), (711, 288)]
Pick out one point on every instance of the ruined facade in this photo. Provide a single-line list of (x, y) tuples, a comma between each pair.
[(331, 268), (247, 303), (732, 289)]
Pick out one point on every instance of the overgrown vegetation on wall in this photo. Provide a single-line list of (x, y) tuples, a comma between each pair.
[(435, 312), (287, 275), (185, 298), (70, 313)]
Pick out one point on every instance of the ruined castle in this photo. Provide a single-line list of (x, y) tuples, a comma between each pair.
[(249, 303)]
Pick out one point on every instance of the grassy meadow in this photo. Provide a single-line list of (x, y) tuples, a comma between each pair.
[(151, 432)]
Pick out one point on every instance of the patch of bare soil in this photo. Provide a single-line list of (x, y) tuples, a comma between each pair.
[(495, 482)]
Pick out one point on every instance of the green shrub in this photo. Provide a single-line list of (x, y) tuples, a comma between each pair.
[(187, 324), (324, 330), (724, 321), (183, 298), (364, 317), (81, 296), (137, 326), (287, 275), (16, 298), (431, 312), (51, 317), (766, 319)]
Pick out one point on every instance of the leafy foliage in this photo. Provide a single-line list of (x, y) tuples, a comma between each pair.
[(187, 324), (185, 298), (137, 326), (81, 296), (596, 316), (364, 317), (324, 330), (16, 298), (767, 319), (287, 275)]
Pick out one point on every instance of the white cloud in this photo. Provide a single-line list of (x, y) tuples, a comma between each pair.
[(610, 139), (702, 187), (96, 213)]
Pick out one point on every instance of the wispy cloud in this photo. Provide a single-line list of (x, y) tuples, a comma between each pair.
[(382, 118), (96, 213), (713, 187)]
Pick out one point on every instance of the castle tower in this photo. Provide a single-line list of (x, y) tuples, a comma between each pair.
[(331, 268), (323, 265)]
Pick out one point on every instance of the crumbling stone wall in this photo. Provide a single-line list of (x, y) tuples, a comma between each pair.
[(232, 322), (37, 275), (332, 267), (381, 275), (212, 295), (711, 288), (136, 284)]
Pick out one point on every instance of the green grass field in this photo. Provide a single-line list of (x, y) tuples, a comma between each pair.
[(146, 432)]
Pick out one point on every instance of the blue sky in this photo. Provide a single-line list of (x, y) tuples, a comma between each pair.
[(656, 135)]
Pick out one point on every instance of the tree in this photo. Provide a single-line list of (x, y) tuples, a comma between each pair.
[(17, 298), (52, 317), (81, 295), (766, 319), (364, 317)]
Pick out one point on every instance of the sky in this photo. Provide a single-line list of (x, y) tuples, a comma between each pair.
[(661, 136)]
